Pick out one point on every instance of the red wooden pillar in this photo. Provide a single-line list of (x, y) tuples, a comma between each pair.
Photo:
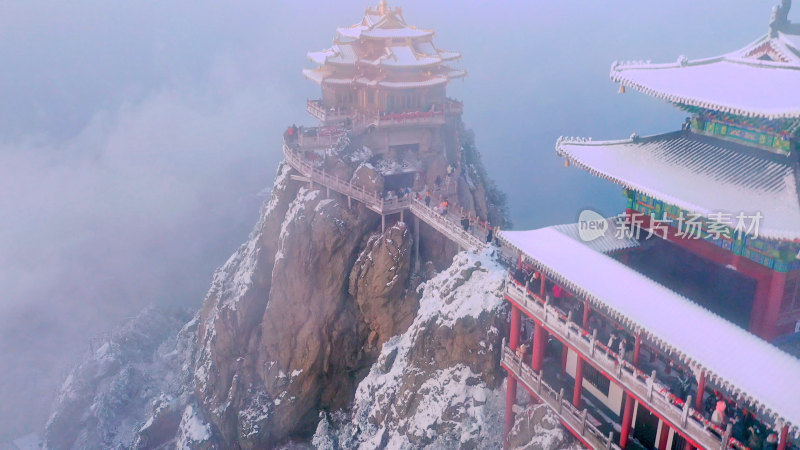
[(543, 286), (564, 356), (637, 350), (769, 324), (516, 325), (586, 311), (701, 389), (539, 342), (576, 393), (519, 261), (766, 305), (511, 388), (662, 440), (627, 421), (783, 440), (511, 396)]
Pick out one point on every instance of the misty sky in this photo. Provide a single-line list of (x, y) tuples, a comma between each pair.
[(135, 137)]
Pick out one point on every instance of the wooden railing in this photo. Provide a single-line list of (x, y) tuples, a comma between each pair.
[(321, 138), (413, 118), (452, 106), (361, 119), (381, 205), (645, 388), (372, 200), (570, 415), (325, 115), (452, 230)]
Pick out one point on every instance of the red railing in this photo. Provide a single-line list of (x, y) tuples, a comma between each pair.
[(576, 420), (644, 387)]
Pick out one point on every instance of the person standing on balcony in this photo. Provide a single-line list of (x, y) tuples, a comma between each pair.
[(718, 416), (428, 199), (613, 341), (756, 437), (772, 441), (534, 283), (557, 292), (738, 431), (521, 351)]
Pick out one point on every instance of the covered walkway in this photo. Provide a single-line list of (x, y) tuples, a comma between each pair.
[(752, 370), (467, 240)]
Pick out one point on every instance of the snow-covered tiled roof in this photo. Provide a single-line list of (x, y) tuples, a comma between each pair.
[(420, 55), (405, 56), (321, 57), (383, 22), (391, 33), (426, 48), (609, 242), (700, 174), (403, 47), (449, 56), (760, 80), (758, 372), (316, 75), (434, 81), (345, 54), (338, 54)]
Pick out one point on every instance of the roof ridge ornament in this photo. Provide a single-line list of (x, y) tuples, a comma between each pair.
[(780, 17)]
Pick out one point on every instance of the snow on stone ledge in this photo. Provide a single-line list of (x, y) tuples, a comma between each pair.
[(193, 430)]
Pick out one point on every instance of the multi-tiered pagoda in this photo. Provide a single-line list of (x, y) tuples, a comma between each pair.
[(390, 138), (658, 321), (387, 80)]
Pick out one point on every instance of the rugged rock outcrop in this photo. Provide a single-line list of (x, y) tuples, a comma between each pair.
[(105, 399), (436, 385), (278, 332), (317, 300), (296, 318), (385, 300), (537, 428)]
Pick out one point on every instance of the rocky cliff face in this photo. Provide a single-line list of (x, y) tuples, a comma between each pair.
[(143, 366), (537, 428), (320, 313), (437, 383)]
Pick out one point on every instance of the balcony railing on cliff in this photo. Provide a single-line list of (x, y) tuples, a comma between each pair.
[(645, 388), (328, 115), (383, 205), (360, 120), (372, 200), (575, 419), (453, 231)]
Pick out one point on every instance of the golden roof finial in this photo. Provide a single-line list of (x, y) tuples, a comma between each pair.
[(383, 8)]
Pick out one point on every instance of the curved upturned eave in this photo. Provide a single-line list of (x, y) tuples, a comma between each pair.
[(765, 233), (619, 74)]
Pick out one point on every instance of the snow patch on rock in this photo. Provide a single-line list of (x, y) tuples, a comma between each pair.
[(405, 403), (193, 429)]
